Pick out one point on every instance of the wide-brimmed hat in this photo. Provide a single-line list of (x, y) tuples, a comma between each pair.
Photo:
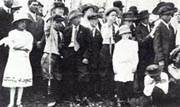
[(93, 16), (166, 9), (16, 5), (129, 16), (153, 70), (164, 6), (58, 18), (73, 14), (159, 5), (124, 29), (87, 6), (19, 15), (118, 4), (108, 11), (143, 14)]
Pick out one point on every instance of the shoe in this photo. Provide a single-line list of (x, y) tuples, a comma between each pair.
[(10, 105), (52, 104), (19, 105)]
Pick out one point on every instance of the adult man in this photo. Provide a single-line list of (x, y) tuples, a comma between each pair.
[(37, 30), (164, 36), (94, 56), (6, 18), (76, 54), (145, 41)]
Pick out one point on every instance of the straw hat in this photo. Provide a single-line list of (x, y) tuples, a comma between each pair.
[(124, 29), (19, 15), (108, 11)]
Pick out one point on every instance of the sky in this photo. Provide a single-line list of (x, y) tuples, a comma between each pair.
[(141, 4)]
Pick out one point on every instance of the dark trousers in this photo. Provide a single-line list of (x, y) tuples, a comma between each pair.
[(124, 90), (158, 96), (76, 75)]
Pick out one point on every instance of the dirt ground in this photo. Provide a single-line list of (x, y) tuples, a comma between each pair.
[(35, 97)]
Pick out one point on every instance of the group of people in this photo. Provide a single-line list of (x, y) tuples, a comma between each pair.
[(91, 52)]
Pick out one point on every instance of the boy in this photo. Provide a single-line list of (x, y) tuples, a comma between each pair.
[(52, 56)]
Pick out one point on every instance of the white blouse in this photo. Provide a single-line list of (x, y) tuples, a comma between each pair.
[(107, 33)]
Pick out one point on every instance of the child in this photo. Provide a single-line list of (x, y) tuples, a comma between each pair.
[(18, 71), (156, 83), (125, 60), (52, 56)]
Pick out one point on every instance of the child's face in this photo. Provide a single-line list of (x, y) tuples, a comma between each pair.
[(58, 25), (21, 25)]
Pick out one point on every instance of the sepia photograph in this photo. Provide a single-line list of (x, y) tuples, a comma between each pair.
[(89, 53)]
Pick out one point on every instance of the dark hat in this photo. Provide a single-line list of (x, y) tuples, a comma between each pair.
[(60, 5), (175, 53), (108, 11), (93, 16), (153, 70), (164, 6), (118, 4), (73, 14), (87, 6), (129, 16), (133, 9), (143, 14), (166, 10), (58, 18), (159, 5)]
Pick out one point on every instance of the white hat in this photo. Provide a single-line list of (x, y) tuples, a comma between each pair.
[(124, 29), (19, 15)]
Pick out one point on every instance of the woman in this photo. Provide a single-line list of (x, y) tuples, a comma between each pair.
[(108, 31)]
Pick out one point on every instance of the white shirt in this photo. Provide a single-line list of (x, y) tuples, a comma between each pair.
[(178, 35), (107, 33), (174, 71), (33, 15), (73, 33), (6, 9), (52, 42), (149, 84)]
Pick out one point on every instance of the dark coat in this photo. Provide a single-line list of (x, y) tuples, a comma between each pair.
[(5, 27), (96, 48), (36, 28), (83, 38), (75, 69), (145, 43), (164, 43)]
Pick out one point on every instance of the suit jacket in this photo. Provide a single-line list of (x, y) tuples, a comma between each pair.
[(36, 28), (145, 42), (96, 48), (5, 23), (164, 42), (83, 38)]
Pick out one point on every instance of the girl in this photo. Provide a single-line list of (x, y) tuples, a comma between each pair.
[(18, 71), (125, 60)]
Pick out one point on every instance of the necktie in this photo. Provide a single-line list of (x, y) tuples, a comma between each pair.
[(76, 44)]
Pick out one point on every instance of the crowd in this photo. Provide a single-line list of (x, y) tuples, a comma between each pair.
[(90, 53)]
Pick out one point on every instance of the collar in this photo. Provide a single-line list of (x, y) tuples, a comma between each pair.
[(167, 24), (33, 15), (5, 8), (77, 27), (144, 24)]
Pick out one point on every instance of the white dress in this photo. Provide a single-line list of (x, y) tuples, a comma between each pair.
[(125, 60), (18, 71)]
